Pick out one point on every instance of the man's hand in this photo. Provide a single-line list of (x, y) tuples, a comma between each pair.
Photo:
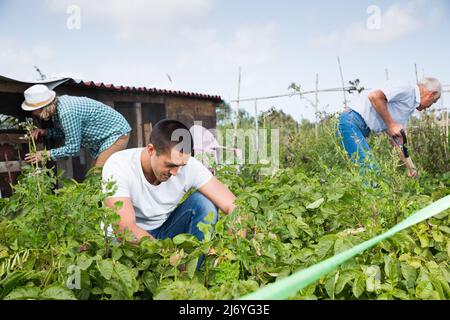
[(39, 133), (412, 173), (394, 129), (35, 157)]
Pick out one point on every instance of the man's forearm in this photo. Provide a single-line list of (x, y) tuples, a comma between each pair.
[(380, 106)]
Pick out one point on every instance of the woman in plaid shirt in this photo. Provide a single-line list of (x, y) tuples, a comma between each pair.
[(80, 121)]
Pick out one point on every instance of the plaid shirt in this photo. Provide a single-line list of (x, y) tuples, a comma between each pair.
[(81, 121)]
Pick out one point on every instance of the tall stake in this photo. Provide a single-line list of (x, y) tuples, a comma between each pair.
[(257, 126), (316, 107), (445, 118), (236, 120), (342, 80), (417, 75)]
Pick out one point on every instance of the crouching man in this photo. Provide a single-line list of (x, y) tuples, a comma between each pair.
[(151, 182)]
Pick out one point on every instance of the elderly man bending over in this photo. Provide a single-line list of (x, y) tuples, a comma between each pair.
[(385, 110)]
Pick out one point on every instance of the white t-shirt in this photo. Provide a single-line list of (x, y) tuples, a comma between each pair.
[(402, 102), (152, 204)]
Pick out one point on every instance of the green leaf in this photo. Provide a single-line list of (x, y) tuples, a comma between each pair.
[(106, 268), (117, 253), (409, 274), (341, 245), (359, 285), (84, 261), (424, 242), (400, 294), (292, 232), (97, 291), (192, 267), (391, 268), (126, 277), (57, 292), (253, 203), (150, 281), (344, 278), (324, 246), (334, 196), (438, 236), (445, 229), (330, 284), (425, 290), (373, 280), (315, 204), (209, 218), (184, 237), (304, 226), (23, 293), (3, 254)]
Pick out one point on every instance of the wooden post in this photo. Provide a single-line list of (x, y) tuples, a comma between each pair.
[(316, 107), (257, 128), (109, 103), (148, 127), (139, 129), (342, 80), (417, 75), (237, 105)]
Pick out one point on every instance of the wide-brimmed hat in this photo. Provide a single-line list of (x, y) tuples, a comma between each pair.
[(37, 97)]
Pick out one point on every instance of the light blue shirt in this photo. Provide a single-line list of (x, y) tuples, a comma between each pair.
[(403, 100)]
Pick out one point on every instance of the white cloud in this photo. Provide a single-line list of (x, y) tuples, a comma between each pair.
[(249, 45), (138, 18), (67, 74), (41, 52), (19, 61), (397, 21)]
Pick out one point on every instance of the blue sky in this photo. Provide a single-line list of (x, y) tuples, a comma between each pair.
[(201, 44)]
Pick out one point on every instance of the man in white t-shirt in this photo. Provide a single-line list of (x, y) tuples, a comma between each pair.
[(151, 182), (385, 110)]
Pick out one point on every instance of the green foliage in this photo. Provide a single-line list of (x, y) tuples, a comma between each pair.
[(54, 243)]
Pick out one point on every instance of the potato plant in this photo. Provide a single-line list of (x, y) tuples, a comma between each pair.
[(54, 243)]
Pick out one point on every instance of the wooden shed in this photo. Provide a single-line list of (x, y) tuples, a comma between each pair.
[(141, 106)]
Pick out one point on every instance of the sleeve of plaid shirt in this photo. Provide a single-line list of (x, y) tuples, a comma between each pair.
[(71, 126)]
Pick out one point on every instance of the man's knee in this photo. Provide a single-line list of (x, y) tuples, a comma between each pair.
[(203, 206)]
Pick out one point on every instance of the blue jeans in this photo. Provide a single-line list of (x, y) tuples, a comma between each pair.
[(353, 130), (186, 217)]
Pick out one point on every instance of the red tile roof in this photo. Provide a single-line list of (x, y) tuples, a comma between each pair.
[(105, 86)]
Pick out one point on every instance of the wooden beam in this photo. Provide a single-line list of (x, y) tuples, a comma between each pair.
[(13, 138), (13, 87), (10, 166), (139, 133)]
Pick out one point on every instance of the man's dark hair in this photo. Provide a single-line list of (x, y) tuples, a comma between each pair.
[(167, 134)]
